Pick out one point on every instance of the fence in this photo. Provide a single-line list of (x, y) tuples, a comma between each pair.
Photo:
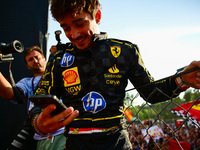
[(159, 132)]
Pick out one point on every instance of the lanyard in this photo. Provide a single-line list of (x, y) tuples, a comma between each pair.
[(33, 89)]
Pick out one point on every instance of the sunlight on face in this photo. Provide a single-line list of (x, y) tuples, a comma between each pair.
[(80, 29)]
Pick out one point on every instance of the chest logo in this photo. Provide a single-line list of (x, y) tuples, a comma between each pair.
[(67, 60), (116, 51), (114, 69), (93, 102), (71, 77)]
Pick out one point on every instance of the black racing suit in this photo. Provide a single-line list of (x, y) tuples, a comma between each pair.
[(93, 81)]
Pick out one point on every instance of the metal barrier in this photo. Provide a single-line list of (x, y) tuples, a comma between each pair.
[(159, 132)]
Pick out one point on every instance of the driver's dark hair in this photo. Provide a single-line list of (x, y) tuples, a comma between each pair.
[(60, 7)]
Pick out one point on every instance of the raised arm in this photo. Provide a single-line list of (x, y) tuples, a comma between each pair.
[(6, 90)]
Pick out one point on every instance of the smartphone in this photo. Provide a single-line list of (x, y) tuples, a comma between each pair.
[(43, 101)]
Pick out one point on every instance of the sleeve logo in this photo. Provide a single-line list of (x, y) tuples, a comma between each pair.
[(93, 102), (67, 60)]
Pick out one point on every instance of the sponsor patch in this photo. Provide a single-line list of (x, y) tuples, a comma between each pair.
[(114, 69), (118, 76), (67, 60), (71, 77), (93, 102), (116, 51), (40, 91), (113, 82), (45, 83), (73, 90)]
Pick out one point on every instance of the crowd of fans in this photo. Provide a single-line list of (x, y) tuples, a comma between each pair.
[(188, 137)]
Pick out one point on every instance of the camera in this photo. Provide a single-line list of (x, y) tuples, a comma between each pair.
[(7, 49), (57, 35), (59, 45)]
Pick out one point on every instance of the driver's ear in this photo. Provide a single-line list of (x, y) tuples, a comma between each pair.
[(98, 16)]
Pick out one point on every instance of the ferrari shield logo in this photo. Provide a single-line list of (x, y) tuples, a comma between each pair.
[(116, 51)]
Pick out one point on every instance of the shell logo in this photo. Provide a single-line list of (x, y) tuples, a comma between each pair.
[(71, 77)]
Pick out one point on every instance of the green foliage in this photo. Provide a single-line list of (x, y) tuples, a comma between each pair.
[(191, 95)]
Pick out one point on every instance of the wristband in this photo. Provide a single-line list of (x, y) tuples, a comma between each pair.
[(36, 127)]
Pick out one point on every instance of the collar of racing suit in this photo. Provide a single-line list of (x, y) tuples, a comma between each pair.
[(96, 37)]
